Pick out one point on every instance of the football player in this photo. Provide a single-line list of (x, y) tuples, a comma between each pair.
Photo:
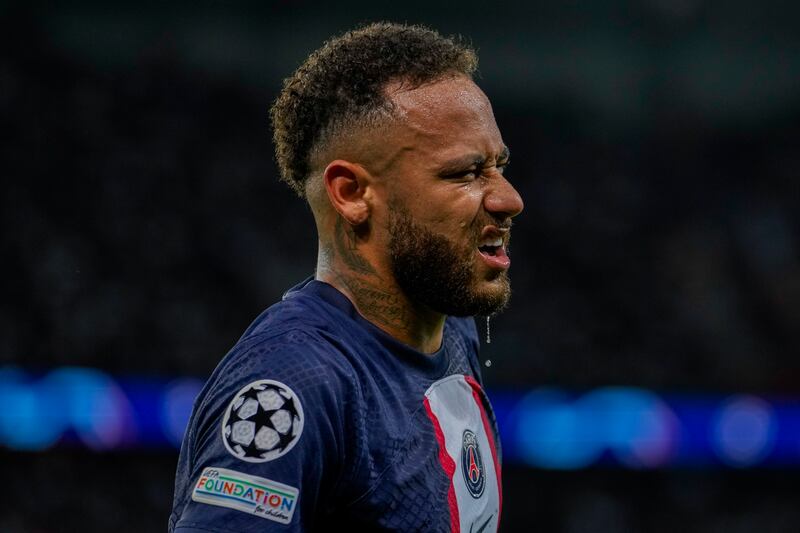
[(356, 401)]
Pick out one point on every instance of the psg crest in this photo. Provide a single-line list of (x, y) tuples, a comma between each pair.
[(472, 464), (263, 422)]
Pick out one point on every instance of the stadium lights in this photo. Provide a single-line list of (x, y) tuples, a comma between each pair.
[(550, 428)]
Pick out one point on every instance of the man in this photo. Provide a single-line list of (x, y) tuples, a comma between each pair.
[(356, 401)]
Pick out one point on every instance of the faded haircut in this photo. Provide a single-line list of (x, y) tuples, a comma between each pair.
[(341, 85)]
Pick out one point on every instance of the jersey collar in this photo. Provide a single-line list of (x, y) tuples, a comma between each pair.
[(433, 364)]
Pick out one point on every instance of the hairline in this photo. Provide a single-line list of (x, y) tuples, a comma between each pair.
[(379, 116)]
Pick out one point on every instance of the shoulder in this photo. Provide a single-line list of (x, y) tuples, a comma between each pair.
[(303, 360), (298, 343), (279, 409), (273, 415), (293, 375), (296, 339)]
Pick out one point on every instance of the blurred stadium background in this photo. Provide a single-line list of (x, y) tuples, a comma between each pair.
[(647, 375)]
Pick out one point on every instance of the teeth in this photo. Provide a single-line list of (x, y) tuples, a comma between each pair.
[(497, 241)]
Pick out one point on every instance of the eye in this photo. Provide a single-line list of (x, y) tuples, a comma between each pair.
[(501, 167), (466, 175)]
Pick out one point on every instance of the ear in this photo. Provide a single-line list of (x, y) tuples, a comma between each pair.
[(346, 184)]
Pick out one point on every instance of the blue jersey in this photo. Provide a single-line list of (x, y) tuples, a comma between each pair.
[(318, 418)]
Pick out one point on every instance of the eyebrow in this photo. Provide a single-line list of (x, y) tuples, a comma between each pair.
[(478, 160)]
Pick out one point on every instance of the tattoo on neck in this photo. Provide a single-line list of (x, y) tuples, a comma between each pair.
[(383, 306), (377, 304), (345, 243)]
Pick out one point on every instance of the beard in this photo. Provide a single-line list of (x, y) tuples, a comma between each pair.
[(438, 272)]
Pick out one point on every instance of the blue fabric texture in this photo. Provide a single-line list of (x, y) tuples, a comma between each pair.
[(367, 457)]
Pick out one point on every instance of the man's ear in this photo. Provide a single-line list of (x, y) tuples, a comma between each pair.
[(346, 184)]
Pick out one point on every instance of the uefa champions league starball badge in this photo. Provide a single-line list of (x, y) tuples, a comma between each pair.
[(263, 421)]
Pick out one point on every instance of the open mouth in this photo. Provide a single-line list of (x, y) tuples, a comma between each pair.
[(491, 245), (493, 252), (488, 249)]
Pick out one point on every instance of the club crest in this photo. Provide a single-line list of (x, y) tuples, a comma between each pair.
[(472, 464)]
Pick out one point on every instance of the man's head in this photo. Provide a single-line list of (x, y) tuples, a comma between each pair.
[(384, 132)]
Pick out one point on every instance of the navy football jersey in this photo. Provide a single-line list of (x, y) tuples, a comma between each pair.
[(317, 418)]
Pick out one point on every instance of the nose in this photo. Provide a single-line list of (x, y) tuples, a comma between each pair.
[(502, 199)]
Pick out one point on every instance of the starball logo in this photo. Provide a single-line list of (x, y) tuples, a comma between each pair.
[(251, 494)]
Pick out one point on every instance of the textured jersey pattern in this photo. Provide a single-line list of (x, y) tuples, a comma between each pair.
[(368, 456)]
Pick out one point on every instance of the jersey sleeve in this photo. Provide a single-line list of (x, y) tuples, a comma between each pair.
[(268, 438)]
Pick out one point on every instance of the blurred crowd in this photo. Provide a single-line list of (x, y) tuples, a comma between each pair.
[(144, 227)]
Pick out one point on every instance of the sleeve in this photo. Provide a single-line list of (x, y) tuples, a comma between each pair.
[(269, 444)]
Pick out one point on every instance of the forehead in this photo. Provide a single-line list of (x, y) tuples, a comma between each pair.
[(445, 118)]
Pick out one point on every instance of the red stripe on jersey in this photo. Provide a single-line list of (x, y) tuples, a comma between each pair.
[(476, 388), (448, 465)]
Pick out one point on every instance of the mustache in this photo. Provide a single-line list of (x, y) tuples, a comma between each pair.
[(502, 225), (505, 225)]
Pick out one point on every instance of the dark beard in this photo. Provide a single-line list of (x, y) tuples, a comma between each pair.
[(432, 270)]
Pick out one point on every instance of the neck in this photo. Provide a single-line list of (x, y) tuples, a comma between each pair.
[(375, 294)]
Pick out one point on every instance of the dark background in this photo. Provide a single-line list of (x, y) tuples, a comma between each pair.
[(655, 144)]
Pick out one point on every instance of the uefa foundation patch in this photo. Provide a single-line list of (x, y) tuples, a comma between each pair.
[(251, 494)]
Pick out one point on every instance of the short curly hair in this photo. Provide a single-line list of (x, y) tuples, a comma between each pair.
[(343, 83)]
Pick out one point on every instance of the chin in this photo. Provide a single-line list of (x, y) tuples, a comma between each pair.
[(486, 297), (495, 297)]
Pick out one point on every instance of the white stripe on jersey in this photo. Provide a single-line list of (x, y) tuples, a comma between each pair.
[(453, 404)]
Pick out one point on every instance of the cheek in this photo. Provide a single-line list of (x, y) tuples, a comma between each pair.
[(453, 212), (454, 224)]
